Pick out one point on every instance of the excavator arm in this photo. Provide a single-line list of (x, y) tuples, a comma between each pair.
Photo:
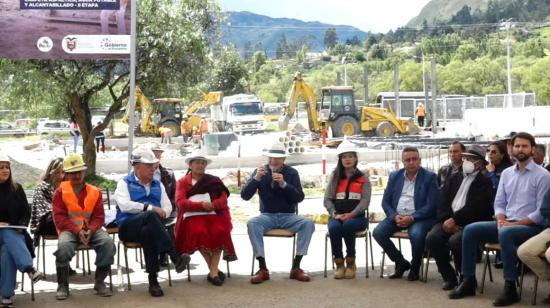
[(301, 89), (208, 99), (145, 107)]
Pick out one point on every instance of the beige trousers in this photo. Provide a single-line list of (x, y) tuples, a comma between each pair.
[(534, 254)]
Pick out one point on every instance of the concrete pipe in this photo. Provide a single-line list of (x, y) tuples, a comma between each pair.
[(293, 138), (291, 144), (290, 150)]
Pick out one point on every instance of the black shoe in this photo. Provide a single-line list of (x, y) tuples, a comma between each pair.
[(221, 275), (466, 288), (181, 262), (499, 264), (155, 291), (214, 280), (154, 287), (400, 269), (72, 272), (509, 295), (413, 276), (449, 285)]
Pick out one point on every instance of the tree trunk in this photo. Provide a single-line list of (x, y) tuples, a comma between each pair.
[(81, 111)]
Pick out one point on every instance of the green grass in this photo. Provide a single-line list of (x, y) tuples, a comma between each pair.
[(101, 182)]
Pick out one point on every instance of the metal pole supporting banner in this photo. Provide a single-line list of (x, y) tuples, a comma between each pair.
[(132, 98)]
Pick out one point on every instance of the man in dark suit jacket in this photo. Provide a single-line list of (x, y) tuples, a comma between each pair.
[(410, 202), (464, 199)]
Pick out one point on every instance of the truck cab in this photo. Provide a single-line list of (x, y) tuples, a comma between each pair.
[(243, 113)]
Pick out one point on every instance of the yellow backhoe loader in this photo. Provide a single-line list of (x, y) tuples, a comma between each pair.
[(337, 111)]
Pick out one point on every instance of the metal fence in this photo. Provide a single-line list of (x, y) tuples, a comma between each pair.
[(452, 108)]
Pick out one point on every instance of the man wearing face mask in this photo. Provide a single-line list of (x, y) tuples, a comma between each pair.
[(464, 200), (517, 205)]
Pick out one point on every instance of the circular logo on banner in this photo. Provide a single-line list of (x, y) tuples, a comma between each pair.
[(44, 44)]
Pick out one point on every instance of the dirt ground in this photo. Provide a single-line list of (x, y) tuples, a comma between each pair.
[(21, 29)]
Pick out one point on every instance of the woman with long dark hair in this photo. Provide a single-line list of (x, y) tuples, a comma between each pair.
[(346, 199), (498, 161), (204, 222), (41, 208), (16, 251)]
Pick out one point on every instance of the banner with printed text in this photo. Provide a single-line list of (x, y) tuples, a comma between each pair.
[(65, 29)]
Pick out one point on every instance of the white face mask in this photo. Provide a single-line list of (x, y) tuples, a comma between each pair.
[(467, 167)]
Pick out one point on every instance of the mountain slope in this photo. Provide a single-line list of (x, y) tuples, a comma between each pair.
[(263, 32), (443, 10)]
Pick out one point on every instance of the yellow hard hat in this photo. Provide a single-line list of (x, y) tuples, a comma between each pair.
[(74, 163)]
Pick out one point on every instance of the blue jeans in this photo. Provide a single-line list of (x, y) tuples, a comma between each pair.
[(259, 225), (101, 242), (14, 255), (75, 142), (338, 229), (510, 238), (417, 232)]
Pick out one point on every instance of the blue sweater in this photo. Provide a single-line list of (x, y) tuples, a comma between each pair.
[(273, 198)]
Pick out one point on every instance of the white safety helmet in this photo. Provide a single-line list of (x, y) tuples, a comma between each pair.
[(143, 155), (4, 157), (346, 147)]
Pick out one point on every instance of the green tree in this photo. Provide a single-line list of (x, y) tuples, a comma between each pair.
[(282, 47), (229, 73), (331, 38)]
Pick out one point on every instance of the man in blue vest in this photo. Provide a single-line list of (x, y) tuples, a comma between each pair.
[(142, 204), (410, 202)]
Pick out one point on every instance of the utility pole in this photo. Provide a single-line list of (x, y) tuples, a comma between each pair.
[(396, 90), (509, 61), (366, 85), (434, 97)]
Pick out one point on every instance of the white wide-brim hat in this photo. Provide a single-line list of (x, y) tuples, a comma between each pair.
[(188, 160), (277, 150)]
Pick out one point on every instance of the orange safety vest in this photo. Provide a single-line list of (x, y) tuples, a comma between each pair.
[(203, 126), (77, 214), (420, 111), (346, 199)]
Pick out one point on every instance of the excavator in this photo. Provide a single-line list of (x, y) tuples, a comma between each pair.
[(338, 113), (153, 115), (208, 99)]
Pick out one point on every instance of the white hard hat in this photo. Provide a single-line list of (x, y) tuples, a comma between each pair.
[(189, 160), (346, 147), (143, 155), (155, 146), (277, 150), (4, 157)]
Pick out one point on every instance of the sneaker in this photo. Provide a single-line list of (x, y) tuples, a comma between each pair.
[(36, 276), (7, 302)]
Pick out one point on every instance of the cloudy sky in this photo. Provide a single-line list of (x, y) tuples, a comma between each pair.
[(367, 15)]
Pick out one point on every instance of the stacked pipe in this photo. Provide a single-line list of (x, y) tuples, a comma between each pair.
[(292, 143)]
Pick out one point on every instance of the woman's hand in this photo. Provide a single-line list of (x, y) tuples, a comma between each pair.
[(208, 206)]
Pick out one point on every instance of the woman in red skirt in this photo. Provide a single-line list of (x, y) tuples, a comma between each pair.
[(204, 222)]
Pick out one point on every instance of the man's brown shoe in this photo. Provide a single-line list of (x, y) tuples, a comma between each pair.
[(298, 274), (260, 276)]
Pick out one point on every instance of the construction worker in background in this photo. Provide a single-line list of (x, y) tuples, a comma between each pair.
[(165, 134), (420, 114), (186, 129), (203, 126)]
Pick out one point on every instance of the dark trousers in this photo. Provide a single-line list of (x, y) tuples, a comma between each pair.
[(441, 244), (147, 229), (98, 141), (417, 232), (338, 229), (420, 121)]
